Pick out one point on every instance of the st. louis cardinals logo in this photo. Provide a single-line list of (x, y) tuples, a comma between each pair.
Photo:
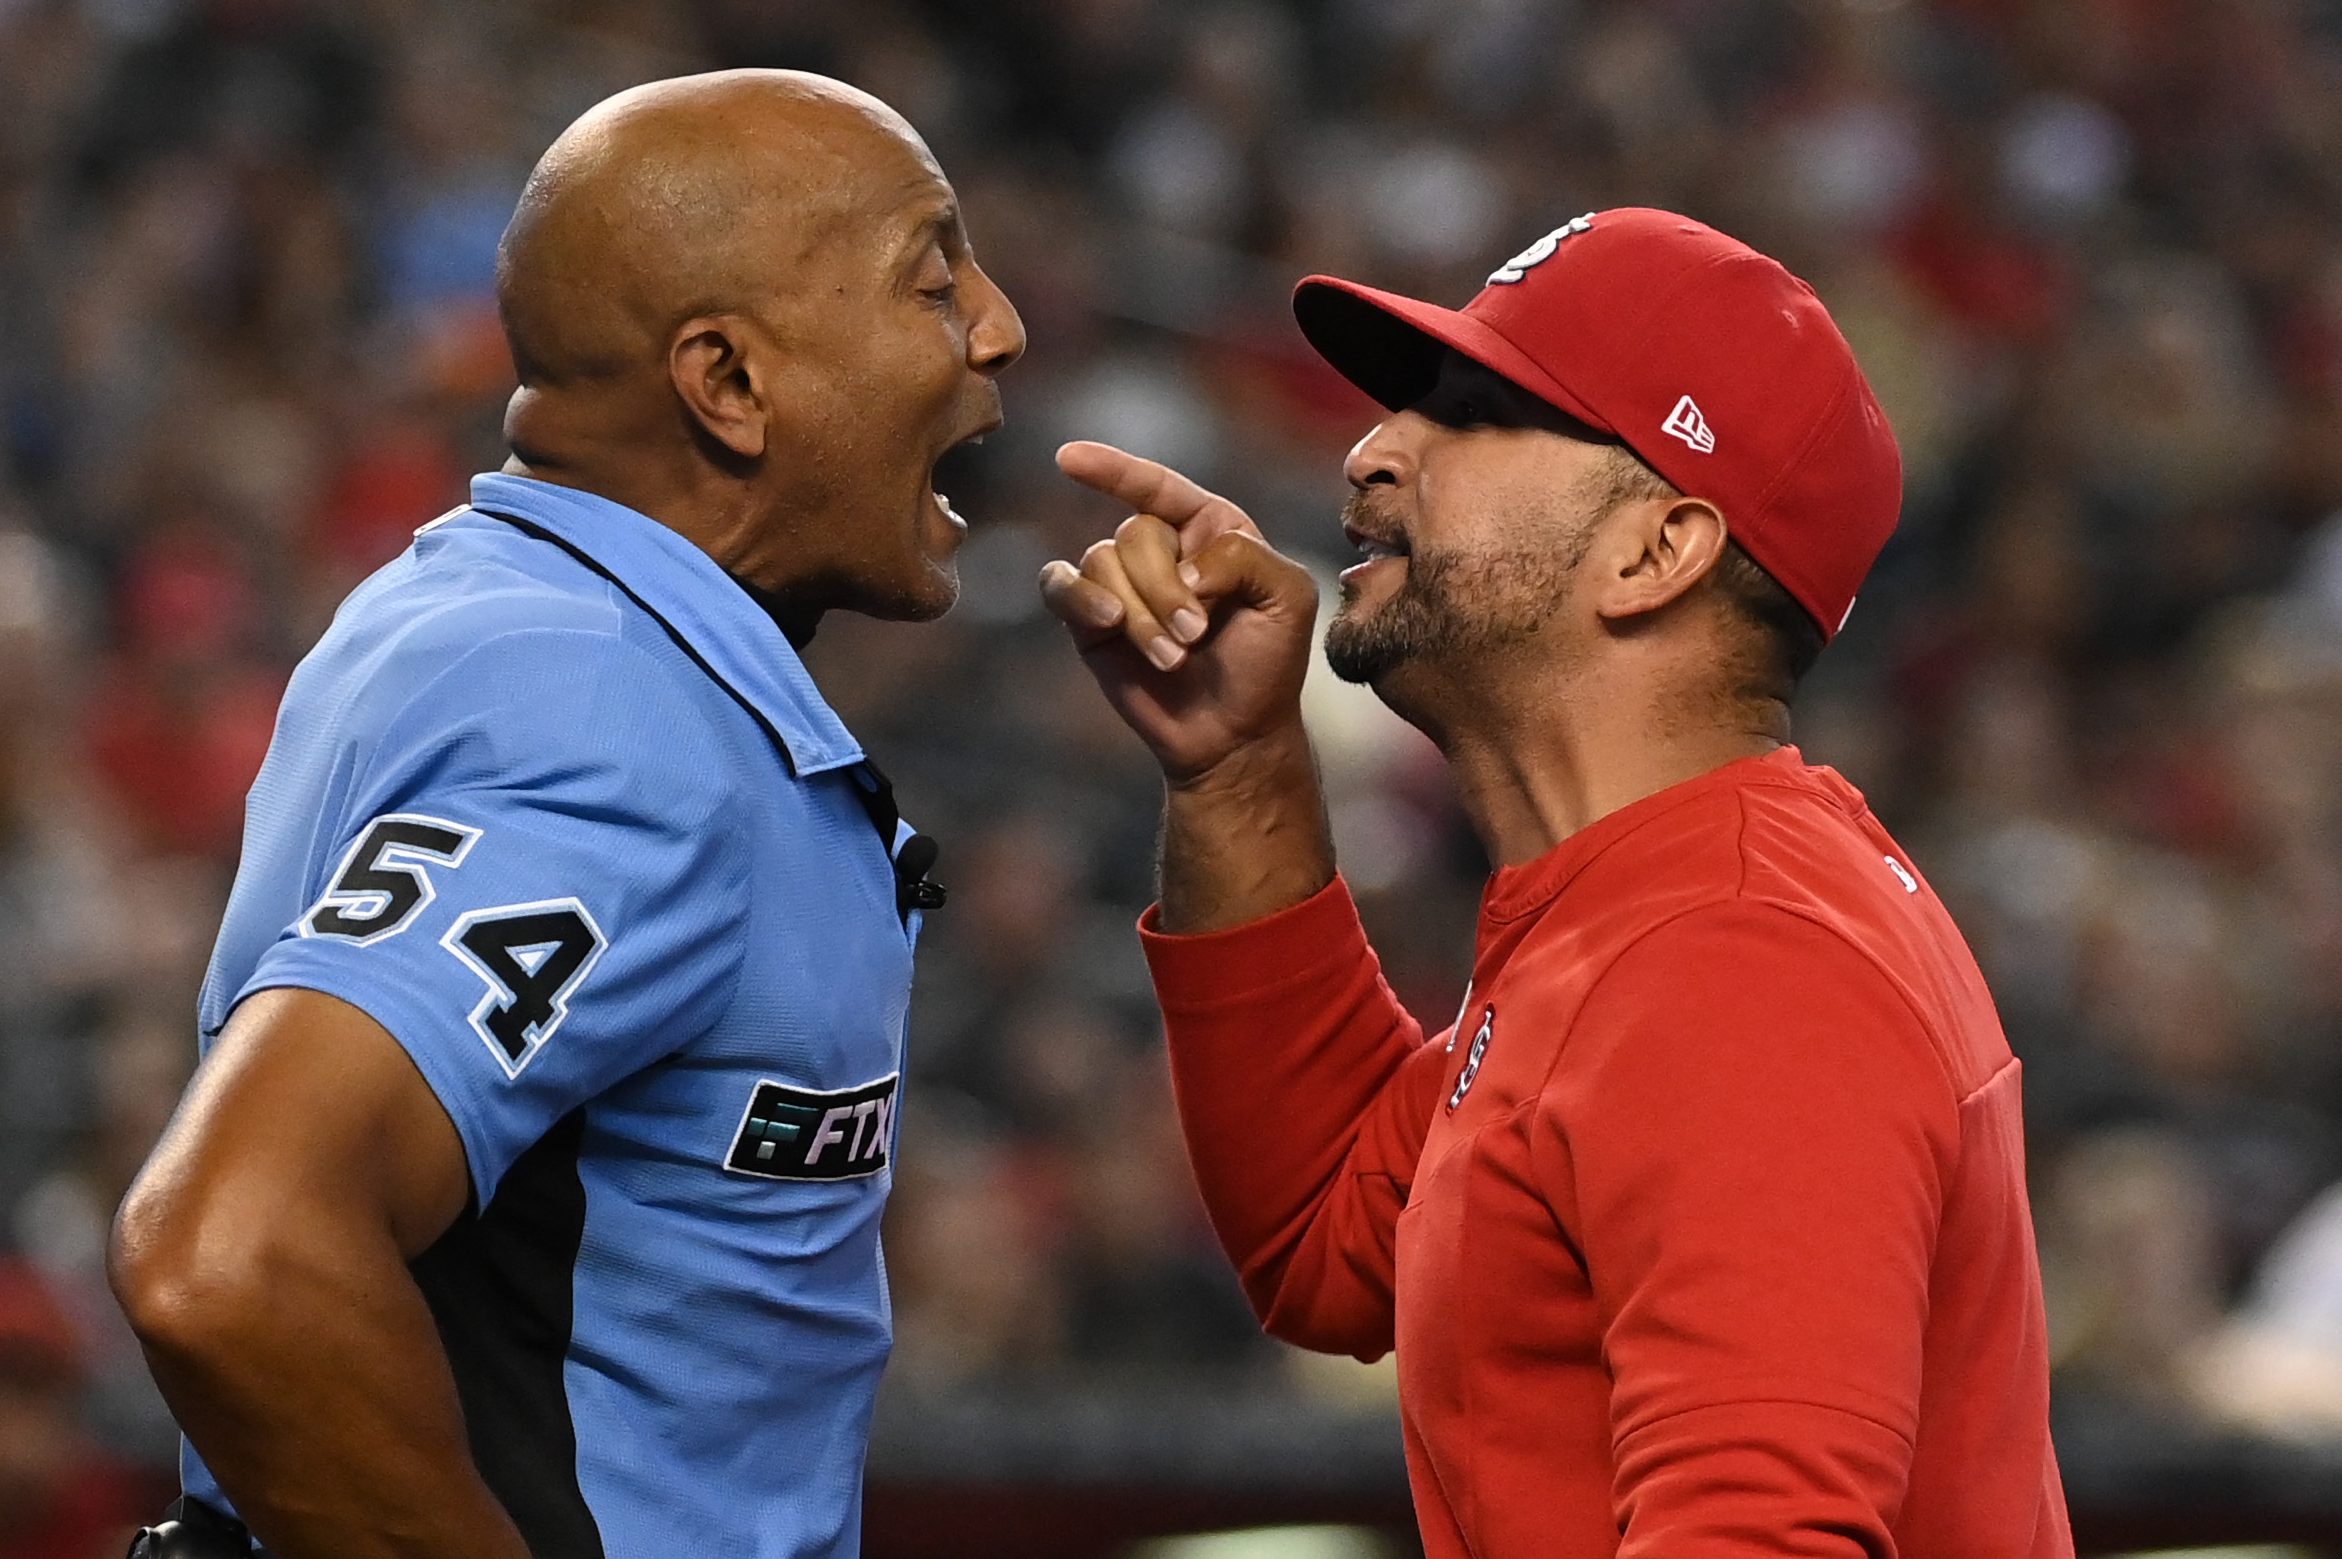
[(1539, 252), (1472, 1059)]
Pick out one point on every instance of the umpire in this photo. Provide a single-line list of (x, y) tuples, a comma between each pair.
[(527, 1199)]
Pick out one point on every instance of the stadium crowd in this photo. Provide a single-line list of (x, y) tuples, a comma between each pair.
[(2089, 250)]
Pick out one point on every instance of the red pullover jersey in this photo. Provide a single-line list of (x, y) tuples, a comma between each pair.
[(1703, 1233)]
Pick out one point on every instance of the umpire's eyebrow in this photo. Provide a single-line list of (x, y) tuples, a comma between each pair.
[(940, 223)]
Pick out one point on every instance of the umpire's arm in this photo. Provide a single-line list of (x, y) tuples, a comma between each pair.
[(262, 1259)]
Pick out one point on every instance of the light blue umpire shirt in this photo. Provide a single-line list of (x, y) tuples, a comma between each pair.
[(555, 802)]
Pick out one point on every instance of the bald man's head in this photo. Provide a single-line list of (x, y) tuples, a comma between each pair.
[(755, 286), (684, 197)]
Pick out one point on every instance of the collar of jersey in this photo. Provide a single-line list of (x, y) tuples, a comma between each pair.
[(705, 611), (1515, 891)]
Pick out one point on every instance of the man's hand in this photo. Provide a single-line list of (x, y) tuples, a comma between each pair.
[(1198, 631), (1196, 628)]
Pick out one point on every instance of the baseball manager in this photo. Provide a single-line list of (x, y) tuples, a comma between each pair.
[(1702, 1233)]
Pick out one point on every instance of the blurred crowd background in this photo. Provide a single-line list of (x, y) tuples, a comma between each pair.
[(2090, 252)]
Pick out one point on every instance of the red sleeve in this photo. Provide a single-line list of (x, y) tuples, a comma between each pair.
[(1305, 1091), (1750, 1132)]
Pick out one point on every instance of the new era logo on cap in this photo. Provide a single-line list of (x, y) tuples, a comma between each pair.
[(1686, 423)]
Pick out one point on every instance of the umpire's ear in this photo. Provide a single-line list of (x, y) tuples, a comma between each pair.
[(720, 383)]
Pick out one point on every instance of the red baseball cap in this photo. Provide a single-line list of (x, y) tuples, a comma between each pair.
[(1711, 362)]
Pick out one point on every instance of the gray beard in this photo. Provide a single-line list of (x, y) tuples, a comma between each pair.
[(1452, 610)]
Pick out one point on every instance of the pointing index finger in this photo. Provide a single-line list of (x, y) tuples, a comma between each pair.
[(1153, 488)]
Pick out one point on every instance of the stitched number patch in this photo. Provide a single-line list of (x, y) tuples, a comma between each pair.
[(385, 880), (534, 957)]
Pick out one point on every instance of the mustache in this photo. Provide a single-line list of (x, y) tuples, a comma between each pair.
[(1366, 512)]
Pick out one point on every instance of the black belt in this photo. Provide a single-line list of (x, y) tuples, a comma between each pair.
[(193, 1530)]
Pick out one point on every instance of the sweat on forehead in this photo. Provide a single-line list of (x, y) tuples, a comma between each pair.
[(692, 193)]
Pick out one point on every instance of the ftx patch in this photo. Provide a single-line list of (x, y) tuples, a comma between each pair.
[(798, 1134)]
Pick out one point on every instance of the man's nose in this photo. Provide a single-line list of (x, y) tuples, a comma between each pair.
[(1387, 454), (996, 337)]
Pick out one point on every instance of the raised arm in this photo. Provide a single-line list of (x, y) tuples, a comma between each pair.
[(1305, 1090), (1303, 1087), (1198, 633), (262, 1259)]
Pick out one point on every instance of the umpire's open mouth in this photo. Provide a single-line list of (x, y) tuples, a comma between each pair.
[(954, 457)]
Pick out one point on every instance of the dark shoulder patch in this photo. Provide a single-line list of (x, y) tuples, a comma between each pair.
[(799, 1134)]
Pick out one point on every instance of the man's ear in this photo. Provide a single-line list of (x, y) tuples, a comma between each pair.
[(720, 381), (1656, 550)]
